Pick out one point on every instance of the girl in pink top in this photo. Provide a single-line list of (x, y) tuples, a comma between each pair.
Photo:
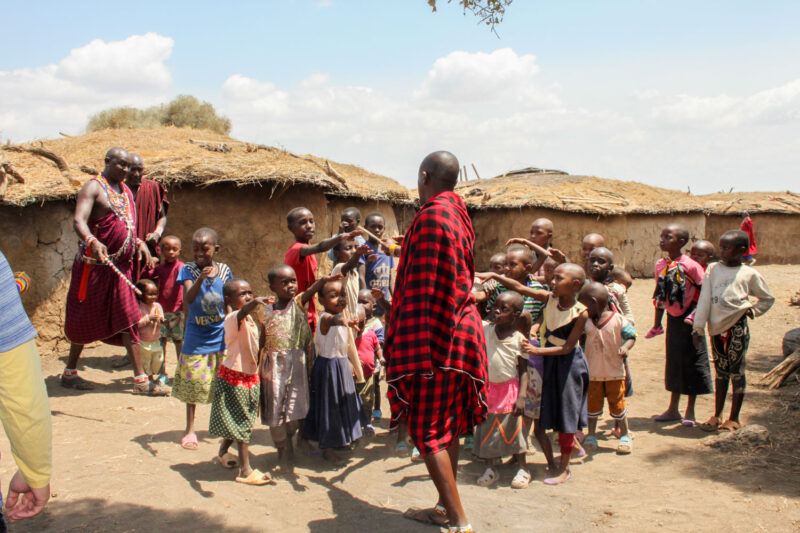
[(150, 328)]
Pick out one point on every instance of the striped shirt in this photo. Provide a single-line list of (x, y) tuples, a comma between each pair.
[(493, 289), (15, 328)]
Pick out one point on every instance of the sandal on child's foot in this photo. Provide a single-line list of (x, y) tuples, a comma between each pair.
[(416, 457), (256, 478), (590, 442), (521, 480), (228, 460), (488, 478), (625, 445), (189, 442), (710, 425), (654, 332), (436, 516), (558, 480)]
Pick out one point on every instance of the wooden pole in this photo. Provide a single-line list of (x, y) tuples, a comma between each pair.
[(476, 171)]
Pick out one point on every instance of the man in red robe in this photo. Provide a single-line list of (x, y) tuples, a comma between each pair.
[(435, 347), (151, 209), (101, 304)]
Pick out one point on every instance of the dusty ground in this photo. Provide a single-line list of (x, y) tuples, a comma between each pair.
[(118, 466)]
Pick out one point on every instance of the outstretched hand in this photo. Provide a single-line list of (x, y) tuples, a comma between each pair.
[(530, 349), (485, 276), (332, 277), (22, 501), (265, 300), (557, 255)]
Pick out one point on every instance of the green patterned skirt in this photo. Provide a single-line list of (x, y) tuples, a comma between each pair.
[(235, 406), (195, 375)]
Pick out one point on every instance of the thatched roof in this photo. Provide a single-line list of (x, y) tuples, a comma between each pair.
[(588, 194), (55, 169)]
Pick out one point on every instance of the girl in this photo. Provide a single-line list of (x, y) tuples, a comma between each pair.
[(333, 417), (149, 330)]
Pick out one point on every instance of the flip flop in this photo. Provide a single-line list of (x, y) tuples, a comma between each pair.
[(256, 478), (666, 418), (189, 442), (435, 516), (228, 460), (730, 425), (688, 423), (711, 425), (76, 382), (554, 480)]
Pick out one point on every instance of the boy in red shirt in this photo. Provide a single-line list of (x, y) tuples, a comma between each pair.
[(170, 294), (369, 351), (747, 227), (301, 255)]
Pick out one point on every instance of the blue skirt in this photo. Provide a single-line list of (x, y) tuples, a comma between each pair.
[(565, 385), (333, 418)]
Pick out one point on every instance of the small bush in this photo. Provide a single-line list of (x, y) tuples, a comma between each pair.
[(182, 111)]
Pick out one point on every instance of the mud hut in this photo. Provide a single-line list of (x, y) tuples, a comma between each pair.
[(242, 190), (629, 214)]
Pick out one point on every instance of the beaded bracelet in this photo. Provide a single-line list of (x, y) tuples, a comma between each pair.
[(392, 248), (88, 240)]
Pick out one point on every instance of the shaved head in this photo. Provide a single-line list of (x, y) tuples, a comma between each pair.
[(681, 232), (544, 223), (280, 271), (116, 152), (438, 172), (117, 165), (572, 270), (705, 246), (595, 239), (594, 291), (513, 299), (603, 252)]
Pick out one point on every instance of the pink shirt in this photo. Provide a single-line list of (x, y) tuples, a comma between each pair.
[(367, 345), (150, 331), (241, 342), (170, 292), (694, 273), (306, 270)]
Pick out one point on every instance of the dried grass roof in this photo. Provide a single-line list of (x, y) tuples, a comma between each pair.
[(55, 169), (588, 194)]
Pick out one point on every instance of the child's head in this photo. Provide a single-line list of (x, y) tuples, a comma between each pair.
[(549, 269), (301, 223), (350, 219), (568, 280), (542, 232), (367, 301), (745, 214), (361, 318), (237, 292), (507, 308), (519, 261), (601, 263), (149, 291), (331, 297), (702, 252), (594, 296), (589, 243), (622, 277), (205, 243), (282, 282), (497, 263), (375, 224), (344, 250), (732, 246), (673, 238), (170, 248)]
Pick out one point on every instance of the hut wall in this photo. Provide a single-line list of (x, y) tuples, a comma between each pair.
[(776, 235)]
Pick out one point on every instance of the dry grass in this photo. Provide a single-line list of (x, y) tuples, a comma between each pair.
[(171, 157)]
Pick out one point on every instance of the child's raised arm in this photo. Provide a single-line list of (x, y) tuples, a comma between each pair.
[(251, 306), (309, 293), (572, 340), (191, 288), (355, 259), (326, 244), (514, 285)]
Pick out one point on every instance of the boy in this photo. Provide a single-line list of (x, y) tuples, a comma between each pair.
[(170, 293), (369, 353), (725, 305), (288, 352), (622, 277), (367, 301), (678, 280), (378, 270), (609, 338), (542, 235), (600, 265), (348, 222), (497, 263), (589, 243), (204, 340), (752, 249), (703, 252), (237, 386), (300, 255)]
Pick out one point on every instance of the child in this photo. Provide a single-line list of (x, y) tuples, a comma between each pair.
[(378, 268), (367, 300), (237, 386), (348, 257), (497, 263), (170, 293), (565, 379), (601, 263), (369, 353), (752, 249), (204, 338), (333, 418), (288, 355), (622, 277), (725, 305), (702, 252), (609, 338), (152, 317), (678, 280), (542, 235), (502, 433), (300, 255), (548, 271), (348, 222), (589, 243)]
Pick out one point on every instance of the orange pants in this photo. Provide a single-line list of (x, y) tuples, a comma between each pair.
[(614, 391)]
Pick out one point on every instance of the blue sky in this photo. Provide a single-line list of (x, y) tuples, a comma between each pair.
[(700, 94)]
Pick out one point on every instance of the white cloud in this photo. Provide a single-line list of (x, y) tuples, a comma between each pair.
[(324, 3), (41, 101)]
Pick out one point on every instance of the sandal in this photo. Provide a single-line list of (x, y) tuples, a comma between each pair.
[(654, 332), (730, 425), (590, 442), (158, 389), (688, 423), (416, 457), (189, 442), (436, 516), (228, 460), (488, 478), (710, 425), (401, 449), (625, 445), (521, 480), (76, 382), (256, 478), (556, 481)]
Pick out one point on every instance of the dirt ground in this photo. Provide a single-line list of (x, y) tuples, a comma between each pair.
[(118, 467)]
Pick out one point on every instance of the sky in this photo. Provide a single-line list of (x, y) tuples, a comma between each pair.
[(702, 95)]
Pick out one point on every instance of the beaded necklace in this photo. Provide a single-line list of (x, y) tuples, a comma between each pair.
[(121, 206)]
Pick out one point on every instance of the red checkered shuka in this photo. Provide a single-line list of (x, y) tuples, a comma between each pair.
[(435, 327)]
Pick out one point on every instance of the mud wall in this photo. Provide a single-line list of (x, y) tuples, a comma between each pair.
[(777, 235)]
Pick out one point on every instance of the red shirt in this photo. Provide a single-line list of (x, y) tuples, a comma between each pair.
[(367, 345), (747, 227), (170, 292), (306, 271)]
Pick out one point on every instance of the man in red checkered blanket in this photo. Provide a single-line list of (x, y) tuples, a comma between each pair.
[(435, 347)]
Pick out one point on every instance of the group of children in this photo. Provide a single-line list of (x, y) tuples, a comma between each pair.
[(558, 335)]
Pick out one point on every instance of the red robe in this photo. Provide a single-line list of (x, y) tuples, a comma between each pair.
[(151, 198)]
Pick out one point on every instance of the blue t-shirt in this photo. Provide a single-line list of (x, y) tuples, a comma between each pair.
[(15, 328), (378, 274), (205, 329)]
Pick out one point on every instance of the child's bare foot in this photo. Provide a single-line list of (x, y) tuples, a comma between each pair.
[(558, 480), (668, 416)]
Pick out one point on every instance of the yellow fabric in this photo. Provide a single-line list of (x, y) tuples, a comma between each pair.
[(25, 412)]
